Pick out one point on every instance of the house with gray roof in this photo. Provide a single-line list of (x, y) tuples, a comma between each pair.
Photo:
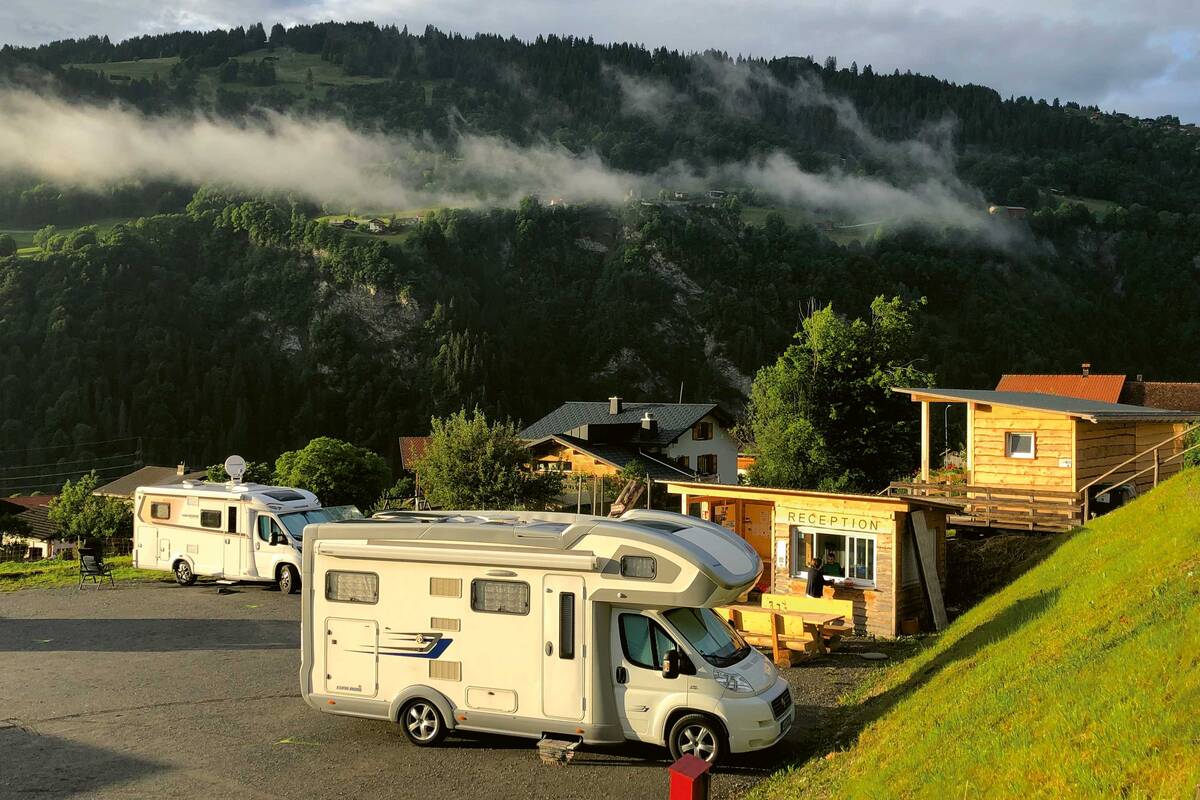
[(673, 441)]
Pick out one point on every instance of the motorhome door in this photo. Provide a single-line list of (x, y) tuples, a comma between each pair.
[(351, 663), (638, 645), (234, 545), (563, 667)]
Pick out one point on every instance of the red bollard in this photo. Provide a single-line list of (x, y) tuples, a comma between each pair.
[(689, 778)]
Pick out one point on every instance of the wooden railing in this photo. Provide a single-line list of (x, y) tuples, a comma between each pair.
[(1154, 467), (1037, 509), (1000, 506)]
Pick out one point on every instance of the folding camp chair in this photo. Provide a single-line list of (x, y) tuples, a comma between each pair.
[(91, 565)]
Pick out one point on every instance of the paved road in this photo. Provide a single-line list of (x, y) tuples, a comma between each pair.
[(164, 691)]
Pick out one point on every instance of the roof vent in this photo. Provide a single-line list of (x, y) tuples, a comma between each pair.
[(1086, 368), (180, 468), (615, 406)]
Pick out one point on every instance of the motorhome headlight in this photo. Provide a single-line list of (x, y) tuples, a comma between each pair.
[(733, 682)]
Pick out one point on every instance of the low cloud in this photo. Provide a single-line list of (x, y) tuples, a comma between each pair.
[(326, 162)]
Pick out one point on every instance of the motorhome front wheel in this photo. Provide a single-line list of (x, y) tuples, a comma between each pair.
[(289, 581), (422, 723), (183, 573), (696, 735)]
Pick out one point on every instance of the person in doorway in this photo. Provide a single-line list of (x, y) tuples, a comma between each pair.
[(816, 579)]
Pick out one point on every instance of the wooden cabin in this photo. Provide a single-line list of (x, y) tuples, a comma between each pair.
[(1040, 461), (868, 541)]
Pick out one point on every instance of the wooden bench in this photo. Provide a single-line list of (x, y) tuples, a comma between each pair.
[(787, 633)]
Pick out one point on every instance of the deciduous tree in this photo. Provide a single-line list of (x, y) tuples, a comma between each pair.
[(339, 473)]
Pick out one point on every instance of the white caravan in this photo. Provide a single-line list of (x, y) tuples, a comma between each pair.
[(232, 531), (584, 628)]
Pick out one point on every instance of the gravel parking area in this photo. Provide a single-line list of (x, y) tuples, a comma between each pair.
[(164, 691)]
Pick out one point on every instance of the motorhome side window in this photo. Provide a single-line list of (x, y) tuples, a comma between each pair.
[(160, 510), (210, 519), (500, 597), (352, 587), (639, 567), (644, 641)]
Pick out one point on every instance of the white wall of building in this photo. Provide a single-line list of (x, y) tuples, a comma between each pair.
[(722, 445)]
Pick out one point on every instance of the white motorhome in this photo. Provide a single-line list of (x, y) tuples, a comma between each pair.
[(231, 531), (539, 625)]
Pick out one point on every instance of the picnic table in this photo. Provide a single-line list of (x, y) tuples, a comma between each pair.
[(821, 629)]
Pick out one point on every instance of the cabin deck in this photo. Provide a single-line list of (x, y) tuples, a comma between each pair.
[(1002, 507)]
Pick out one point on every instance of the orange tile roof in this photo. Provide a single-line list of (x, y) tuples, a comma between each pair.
[(1101, 388)]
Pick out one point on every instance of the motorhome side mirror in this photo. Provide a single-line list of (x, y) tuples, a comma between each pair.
[(670, 664), (278, 538)]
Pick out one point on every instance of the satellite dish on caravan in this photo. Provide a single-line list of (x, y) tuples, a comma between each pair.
[(235, 466)]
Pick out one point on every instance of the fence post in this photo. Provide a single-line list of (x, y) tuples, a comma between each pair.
[(689, 778)]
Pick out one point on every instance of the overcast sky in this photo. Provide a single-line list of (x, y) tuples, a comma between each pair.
[(1139, 57)]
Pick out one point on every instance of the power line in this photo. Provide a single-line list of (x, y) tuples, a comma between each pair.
[(62, 446), (69, 472), (65, 463)]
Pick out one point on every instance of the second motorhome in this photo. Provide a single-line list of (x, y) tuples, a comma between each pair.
[(585, 628), (231, 531)]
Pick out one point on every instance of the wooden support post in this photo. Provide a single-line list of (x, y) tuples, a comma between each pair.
[(779, 652), (683, 504), (970, 443), (927, 550), (1156, 466), (925, 441)]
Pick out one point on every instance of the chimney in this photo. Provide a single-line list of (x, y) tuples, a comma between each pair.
[(180, 468), (1139, 378), (1086, 368), (649, 425), (614, 405)]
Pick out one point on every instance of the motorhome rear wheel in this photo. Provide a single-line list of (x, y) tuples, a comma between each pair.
[(288, 579), (422, 723), (696, 735), (183, 573)]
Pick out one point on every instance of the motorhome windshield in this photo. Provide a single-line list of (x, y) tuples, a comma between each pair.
[(296, 520), (719, 644)]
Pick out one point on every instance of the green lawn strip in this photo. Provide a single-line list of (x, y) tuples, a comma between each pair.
[(50, 574), (1079, 679)]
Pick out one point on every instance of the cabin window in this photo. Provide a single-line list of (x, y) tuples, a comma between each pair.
[(267, 527), (566, 625), (639, 567), (500, 597), (210, 519), (160, 510), (684, 461), (1019, 445), (702, 431), (352, 587), (843, 556), (706, 464), (644, 642)]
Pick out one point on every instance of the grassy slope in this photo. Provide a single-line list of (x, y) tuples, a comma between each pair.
[(16, 575), (1079, 679)]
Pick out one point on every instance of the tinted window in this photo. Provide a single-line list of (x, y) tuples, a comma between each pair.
[(160, 510), (644, 641), (210, 519)]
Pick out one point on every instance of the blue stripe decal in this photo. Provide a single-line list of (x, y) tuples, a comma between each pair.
[(436, 652)]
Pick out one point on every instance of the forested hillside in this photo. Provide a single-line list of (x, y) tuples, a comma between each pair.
[(211, 319)]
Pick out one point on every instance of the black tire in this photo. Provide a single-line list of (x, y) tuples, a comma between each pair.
[(288, 580), (183, 573), (697, 735), (422, 722)]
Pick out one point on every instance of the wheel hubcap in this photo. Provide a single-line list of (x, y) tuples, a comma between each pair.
[(698, 741), (182, 571), (285, 580), (422, 722)]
